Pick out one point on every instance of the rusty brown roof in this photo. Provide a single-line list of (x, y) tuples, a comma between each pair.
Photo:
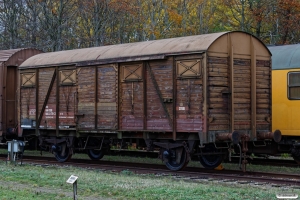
[(6, 54), (154, 49)]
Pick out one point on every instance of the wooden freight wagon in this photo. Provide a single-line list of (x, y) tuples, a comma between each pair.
[(10, 60), (181, 96)]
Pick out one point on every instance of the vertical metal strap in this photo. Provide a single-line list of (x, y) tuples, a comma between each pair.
[(253, 89), (37, 125), (231, 63), (132, 100), (205, 99), (174, 98), (144, 98), (96, 97), (57, 101)]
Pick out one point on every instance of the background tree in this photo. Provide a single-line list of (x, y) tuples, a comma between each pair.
[(53, 25), (10, 20)]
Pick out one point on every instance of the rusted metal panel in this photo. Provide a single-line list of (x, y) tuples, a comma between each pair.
[(107, 97), (135, 51)]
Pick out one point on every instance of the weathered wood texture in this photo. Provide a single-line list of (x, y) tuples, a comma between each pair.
[(241, 95), (189, 105), (131, 106), (67, 106), (218, 96), (146, 101), (49, 115), (159, 110), (27, 103), (131, 92), (263, 95), (107, 97), (86, 98)]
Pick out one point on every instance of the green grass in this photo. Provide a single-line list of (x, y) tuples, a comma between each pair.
[(35, 182)]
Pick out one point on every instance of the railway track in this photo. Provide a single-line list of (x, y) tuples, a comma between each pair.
[(234, 159), (189, 173), (267, 162)]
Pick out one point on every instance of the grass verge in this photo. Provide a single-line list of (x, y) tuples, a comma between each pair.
[(36, 182)]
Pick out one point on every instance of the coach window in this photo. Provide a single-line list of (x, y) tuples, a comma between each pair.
[(67, 77), (28, 79), (294, 85)]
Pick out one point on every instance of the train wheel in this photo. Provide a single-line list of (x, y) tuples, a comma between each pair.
[(176, 158), (95, 154), (296, 155), (62, 154), (210, 161)]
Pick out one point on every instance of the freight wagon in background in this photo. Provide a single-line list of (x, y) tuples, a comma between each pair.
[(286, 96), (198, 95), (10, 60)]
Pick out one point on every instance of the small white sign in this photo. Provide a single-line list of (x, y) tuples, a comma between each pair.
[(286, 196), (181, 108), (72, 179)]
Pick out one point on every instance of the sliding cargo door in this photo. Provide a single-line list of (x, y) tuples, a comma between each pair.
[(67, 97), (86, 98), (189, 96), (160, 95), (131, 97), (107, 82)]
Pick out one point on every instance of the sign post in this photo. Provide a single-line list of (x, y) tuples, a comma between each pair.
[(73, 180)]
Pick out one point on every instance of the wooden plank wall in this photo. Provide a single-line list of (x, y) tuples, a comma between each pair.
[(131, 105), (263, 93), (189, 105), (157, 118), (218, 94), (107, 97), (242, 94), (67, 99), (27, 103), (49, 116), (86, 97)]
